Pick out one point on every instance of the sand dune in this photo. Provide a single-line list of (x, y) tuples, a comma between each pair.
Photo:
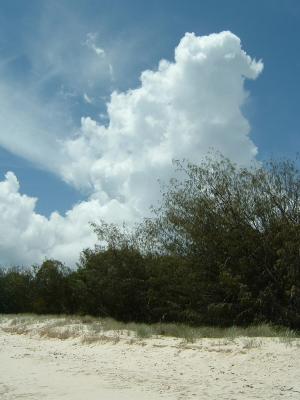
[(35, 368)]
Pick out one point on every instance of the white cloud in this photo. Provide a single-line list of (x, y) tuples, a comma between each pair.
[(91, 44), (31, 128), (87, 99), (181, 110), (27, 237), (65, 52)]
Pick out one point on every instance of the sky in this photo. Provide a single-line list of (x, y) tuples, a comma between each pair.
[(97, 97)]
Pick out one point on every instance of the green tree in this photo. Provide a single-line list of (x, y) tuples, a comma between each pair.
[(238, 230), (50, 288), (15, 290)]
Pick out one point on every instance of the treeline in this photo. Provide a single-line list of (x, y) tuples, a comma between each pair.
[(223, 248)]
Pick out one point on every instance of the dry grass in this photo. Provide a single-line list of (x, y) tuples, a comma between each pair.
[(90, 330), (88, 339), (251, 343)]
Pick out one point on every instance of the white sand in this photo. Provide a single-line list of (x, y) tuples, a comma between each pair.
[(161, 368)]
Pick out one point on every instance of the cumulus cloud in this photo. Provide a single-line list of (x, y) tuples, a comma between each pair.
[(180, 110), (27, 237)]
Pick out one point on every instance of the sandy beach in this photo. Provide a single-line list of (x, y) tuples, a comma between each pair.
[(34, 367)]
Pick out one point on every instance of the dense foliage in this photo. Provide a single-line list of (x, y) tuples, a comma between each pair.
[(222, 249)]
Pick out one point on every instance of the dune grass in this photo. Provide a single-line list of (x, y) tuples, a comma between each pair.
[(92, 329)]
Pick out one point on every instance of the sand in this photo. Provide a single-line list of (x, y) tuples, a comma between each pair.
[(38, 368)]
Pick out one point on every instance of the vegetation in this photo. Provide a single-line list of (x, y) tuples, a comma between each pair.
[(92, 329), (222, 249)]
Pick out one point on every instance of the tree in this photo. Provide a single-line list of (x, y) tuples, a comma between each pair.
[(50, 287), (15, 290), (238, 229)]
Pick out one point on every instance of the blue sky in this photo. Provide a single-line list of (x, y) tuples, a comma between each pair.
[(61, 60)]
